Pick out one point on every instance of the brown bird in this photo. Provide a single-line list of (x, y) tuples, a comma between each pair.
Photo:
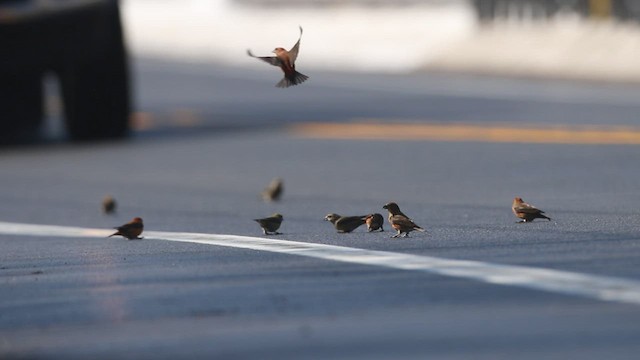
[(526, 212), (130, 230), (286, 61), (374, 222), (345, 224), (108, 204), (273, 191), (271, 224), (399, 221)]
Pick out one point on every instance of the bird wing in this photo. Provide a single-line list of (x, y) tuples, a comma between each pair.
[(270, 223), (402, 221), (129, 227), (268, 59), (293, 53), (526, 208), (350, 221)]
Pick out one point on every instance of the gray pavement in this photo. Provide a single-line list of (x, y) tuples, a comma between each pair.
[(80, 298), (239, 96)]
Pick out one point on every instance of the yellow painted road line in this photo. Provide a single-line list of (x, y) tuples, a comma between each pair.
[(597, 287), (617, 135), (179, 117)]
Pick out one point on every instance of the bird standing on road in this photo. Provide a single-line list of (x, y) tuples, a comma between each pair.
[(345, 224), (526, 212), (108, 204), (374, 222), (273, 191), (130, 230), (286, 61), (271, 224), (400, 222)]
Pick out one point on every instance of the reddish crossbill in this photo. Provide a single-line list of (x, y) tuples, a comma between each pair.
[(374, 222), (130, 230), (399, 221), (271, 224), (345, 224), (526, 212), (108, 204), (286, 61), (273, 191)]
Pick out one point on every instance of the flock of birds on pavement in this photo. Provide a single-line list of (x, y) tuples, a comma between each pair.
[(343, 224)]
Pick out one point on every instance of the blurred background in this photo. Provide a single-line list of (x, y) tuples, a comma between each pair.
[(586, 39), (89, 53)]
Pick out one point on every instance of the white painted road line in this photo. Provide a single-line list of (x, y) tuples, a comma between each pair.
[(557, 281)]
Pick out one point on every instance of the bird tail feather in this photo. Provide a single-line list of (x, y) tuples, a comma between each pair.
[(295, 79), (418, 228)]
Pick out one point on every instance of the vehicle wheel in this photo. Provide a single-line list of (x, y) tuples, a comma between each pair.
[(96, 92), (21, 105)]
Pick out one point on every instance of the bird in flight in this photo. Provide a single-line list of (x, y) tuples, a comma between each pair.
[(286, 61), (273, 191), (108, 204)]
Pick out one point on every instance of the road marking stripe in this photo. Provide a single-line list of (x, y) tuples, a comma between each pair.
[(375, 130), (563, 282)]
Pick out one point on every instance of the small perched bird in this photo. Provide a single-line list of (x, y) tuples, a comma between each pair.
[(273, 191), (345, 224), (271, 224), (374, 222), (130, 230), (286, 61), (399, 221), (108, 204), (526, 212)]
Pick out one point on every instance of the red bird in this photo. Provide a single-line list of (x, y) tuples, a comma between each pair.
[(400, 221), (526, 212), (130, 230), (374, 222), (286, 61)]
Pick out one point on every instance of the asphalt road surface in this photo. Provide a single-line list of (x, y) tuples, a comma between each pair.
[(211, 138)]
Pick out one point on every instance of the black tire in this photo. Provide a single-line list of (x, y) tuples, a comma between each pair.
[(485, 10), (21, 104), (95, 89), (627, 9)]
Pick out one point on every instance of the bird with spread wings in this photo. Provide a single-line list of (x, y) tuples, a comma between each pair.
[(285, 60)]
